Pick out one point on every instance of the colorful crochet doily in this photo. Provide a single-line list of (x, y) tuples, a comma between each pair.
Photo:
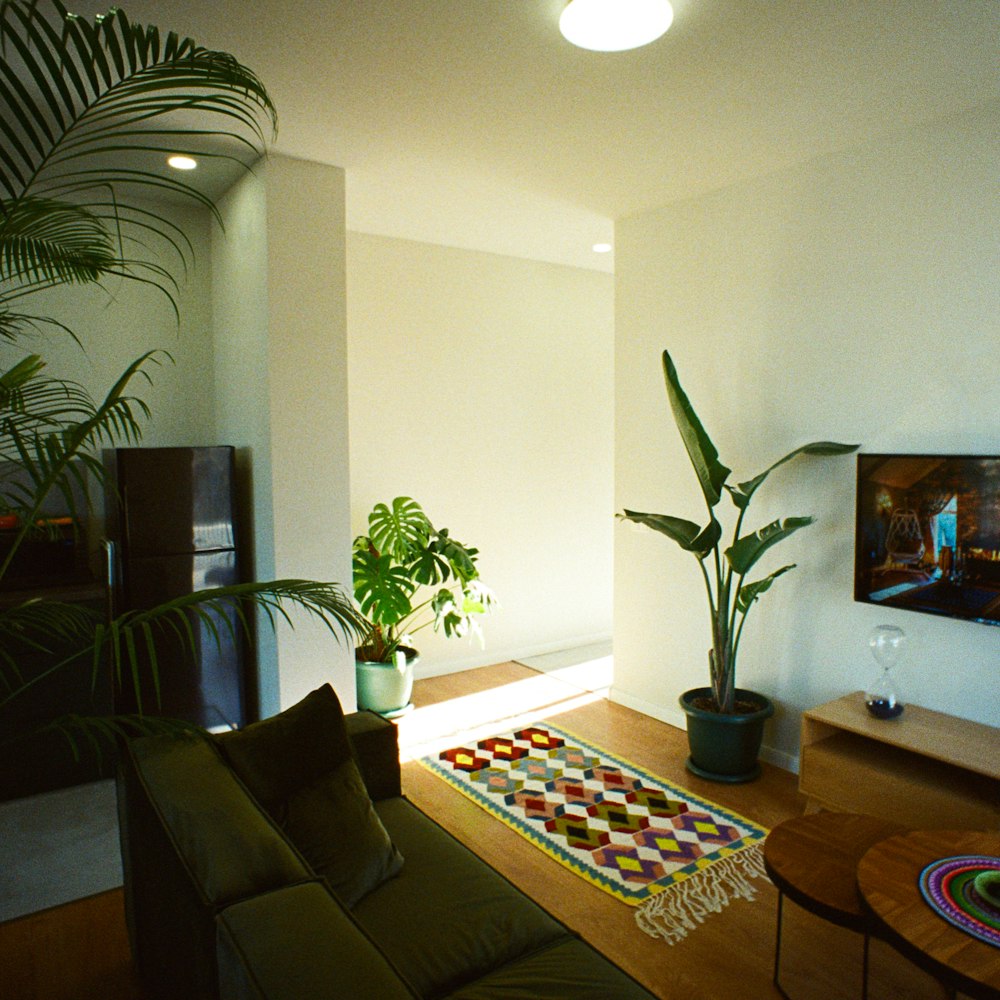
[(950, 888)]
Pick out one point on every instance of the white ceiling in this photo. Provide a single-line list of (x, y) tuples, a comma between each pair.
[(473, 123)]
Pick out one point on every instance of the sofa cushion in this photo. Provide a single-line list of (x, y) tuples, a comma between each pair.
[(448, 918), (568, 970), (229, 847), (297, 943), (300, 767), (288, 751), (333, 823)]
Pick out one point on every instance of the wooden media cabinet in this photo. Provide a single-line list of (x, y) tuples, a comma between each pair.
[(923, 769)]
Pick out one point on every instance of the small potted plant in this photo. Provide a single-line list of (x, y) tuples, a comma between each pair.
[(725, 723), (409, 575)]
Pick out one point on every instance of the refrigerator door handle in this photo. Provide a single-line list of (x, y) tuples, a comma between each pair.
[(111, 574)]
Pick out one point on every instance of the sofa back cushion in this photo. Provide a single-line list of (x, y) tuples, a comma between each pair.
[(230, 848), (279, 755), (300, 766)]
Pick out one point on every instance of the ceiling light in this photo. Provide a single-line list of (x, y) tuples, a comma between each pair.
[(182, 162), (602, 248), (614, 25)]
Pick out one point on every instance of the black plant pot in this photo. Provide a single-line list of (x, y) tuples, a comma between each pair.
[(725, 747)]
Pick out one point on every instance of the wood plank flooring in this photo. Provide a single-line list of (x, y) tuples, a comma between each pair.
[(80, 951)]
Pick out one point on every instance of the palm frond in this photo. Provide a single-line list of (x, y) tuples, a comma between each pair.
[(101, 733), (52, 242), (14, 326), (85, 109), (57, 448), (41, 626)]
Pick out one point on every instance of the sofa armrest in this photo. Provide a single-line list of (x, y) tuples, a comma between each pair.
[(298, 942), (375, 742)]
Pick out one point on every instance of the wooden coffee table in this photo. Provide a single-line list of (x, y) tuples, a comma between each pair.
[(813, 860), (888, 879)]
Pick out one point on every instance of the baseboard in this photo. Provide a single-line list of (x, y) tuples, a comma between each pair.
[(428, 668)]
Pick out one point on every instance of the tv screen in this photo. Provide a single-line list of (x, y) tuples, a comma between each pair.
[(928, 534)]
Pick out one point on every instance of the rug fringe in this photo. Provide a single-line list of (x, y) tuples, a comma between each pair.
[(680, 907)]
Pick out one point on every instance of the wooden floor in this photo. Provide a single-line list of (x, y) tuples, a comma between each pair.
[(80, 951)]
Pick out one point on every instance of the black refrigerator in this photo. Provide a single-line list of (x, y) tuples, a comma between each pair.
[(171, 517)]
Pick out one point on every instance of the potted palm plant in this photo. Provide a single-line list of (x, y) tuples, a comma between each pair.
[(725, 723), (101, 104), (408, 576)]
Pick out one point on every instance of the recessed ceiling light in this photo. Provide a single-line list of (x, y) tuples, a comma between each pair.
[(615, 25), (602, 248), (182, 162)]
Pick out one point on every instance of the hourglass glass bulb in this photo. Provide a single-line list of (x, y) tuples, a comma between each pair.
[(886, 643)]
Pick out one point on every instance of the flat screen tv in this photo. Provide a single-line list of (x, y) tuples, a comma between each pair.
[(928, 534)]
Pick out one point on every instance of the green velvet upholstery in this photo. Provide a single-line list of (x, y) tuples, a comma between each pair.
[(471, 918), (333, 823), (223, 840), (300, 767), (568, 970), (375, 742), (288, 751), (296, 944), (192, 841)]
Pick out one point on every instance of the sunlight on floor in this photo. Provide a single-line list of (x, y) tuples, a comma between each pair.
[(433, 728)]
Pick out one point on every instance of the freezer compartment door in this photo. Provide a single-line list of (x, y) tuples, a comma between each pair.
[(174, 500), (206, 687)]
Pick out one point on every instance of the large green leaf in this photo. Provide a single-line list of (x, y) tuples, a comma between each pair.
[(745, 551), (399, 530), (688, 535), (382, 588), (459, 560), (744, 491), (751, 591), (711, 473)]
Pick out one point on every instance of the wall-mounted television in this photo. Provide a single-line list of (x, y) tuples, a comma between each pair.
[(928, 534)]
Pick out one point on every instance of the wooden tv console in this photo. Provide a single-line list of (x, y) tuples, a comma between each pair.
[(923, 769)]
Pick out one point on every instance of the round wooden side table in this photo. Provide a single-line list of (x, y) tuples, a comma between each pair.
[(888, 878), (813, 860)]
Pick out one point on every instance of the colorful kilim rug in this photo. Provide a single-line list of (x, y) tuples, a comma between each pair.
[(650, 843), (965, 890)]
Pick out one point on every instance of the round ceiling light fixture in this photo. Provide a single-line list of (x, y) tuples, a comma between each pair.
[(179, 162), (615, 25)]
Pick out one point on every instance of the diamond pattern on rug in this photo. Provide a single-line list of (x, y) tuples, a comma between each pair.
[(619, 827)]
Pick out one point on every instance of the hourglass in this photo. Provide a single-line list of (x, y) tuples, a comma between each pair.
[(881, 698)]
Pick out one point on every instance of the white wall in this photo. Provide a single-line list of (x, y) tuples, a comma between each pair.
[(854, 298), (242, 411), (482, 386), (118, 324), (282, 398)]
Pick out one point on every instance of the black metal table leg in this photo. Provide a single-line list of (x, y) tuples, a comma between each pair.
[(777, 948)]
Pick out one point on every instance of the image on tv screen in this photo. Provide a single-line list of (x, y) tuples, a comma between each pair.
[(928, 534)]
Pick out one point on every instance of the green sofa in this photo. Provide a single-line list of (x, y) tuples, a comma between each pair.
[(282, 862)]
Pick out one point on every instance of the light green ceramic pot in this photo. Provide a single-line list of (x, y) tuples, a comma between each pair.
[(386, 688)]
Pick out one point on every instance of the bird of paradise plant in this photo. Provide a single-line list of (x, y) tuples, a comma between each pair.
[(724, 571)]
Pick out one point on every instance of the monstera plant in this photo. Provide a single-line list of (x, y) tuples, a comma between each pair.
[(408, 576), (89, 110), (724, 569)]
